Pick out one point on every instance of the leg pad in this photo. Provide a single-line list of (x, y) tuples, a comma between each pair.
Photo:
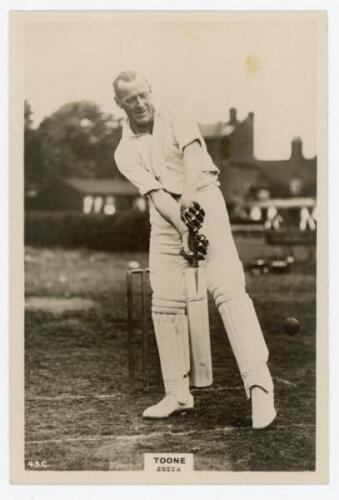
[(247, 341)]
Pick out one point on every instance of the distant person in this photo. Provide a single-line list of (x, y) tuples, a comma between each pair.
[(306, 220), (277, 222), (165, 156), (314, 213), (271, 214)]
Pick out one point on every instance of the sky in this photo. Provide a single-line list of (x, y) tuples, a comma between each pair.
[(267, 68)]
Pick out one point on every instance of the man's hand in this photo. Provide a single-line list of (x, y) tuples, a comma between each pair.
[(201, 243), (202, 246), (193, 216), (191, 223)]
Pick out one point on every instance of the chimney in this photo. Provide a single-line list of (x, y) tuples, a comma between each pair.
[(251, 116), (233, 116), (296, 148)]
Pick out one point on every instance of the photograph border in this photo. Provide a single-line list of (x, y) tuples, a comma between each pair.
[(19, 475)]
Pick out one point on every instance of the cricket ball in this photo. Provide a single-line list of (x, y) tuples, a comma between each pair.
[(291, 326)]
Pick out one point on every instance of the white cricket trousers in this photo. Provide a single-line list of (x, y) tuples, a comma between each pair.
[(225, 281)]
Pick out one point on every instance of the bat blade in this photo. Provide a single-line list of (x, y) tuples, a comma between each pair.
[(199, 332)]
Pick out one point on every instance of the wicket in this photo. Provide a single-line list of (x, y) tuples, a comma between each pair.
[(142, 273)]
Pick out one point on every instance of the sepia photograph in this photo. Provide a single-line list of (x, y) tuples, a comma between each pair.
[(169, 179)]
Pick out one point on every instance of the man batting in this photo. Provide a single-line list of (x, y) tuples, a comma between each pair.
[(165, 156)]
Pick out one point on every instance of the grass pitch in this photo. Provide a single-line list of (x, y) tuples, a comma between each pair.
[(80, 414)]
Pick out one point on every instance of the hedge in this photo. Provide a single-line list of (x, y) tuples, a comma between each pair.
[(128, 231)]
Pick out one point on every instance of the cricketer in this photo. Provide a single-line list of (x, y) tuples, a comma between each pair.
[(164, 155)]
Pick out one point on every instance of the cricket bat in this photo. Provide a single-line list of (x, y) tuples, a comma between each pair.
[(199, 332)]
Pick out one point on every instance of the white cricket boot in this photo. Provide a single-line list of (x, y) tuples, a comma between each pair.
[(263, 410), (168, 406), (171, 331)]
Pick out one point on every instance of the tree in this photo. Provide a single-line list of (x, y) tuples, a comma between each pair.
[(79, 140), (33, 167), (27, 116)]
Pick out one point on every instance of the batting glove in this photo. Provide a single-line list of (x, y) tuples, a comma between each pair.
[(194, 217)]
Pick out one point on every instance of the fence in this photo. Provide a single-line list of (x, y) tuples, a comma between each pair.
[(130, 232)]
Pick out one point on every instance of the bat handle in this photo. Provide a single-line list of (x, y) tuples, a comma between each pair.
[(193, 247)]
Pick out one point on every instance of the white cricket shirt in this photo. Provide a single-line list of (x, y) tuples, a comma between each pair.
[(155, 161)]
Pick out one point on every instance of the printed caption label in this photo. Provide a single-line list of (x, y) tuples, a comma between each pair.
[(168, 463)]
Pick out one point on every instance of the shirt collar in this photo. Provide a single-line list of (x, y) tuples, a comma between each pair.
[(127, 132)]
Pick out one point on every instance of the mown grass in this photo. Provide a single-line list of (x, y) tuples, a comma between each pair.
[(80, 414)]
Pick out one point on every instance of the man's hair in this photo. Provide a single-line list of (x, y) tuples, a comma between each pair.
[(127, 76)]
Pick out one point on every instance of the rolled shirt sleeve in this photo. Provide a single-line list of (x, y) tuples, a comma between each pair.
[(185, 127), (130, 166)]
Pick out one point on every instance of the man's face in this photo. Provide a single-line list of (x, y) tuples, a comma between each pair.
[(135, 99)]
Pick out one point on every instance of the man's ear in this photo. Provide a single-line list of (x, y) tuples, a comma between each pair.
[(117, 101)]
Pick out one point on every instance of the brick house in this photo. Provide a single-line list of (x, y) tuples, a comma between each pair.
[(243, 176)]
